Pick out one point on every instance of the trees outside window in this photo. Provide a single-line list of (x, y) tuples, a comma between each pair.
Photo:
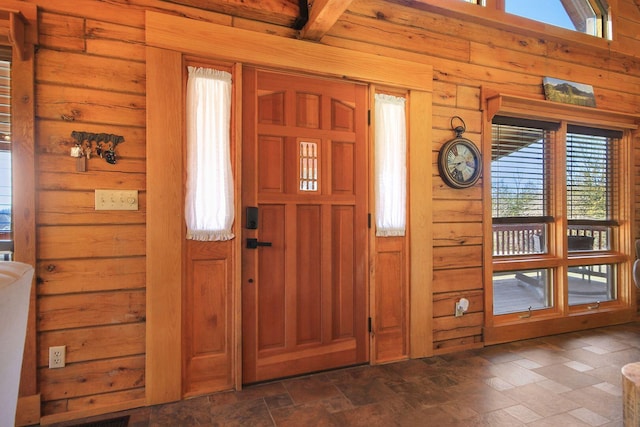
[(528, 213)]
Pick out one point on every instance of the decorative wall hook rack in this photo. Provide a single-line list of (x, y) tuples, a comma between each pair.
[(90, 144)]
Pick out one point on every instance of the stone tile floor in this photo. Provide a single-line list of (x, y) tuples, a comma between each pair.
[(564, 380)]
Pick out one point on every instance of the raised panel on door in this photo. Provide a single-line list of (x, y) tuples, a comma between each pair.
[(208, 299), (391, 301)]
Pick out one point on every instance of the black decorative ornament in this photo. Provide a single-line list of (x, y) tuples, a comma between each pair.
[(459, 160), (110, 157)]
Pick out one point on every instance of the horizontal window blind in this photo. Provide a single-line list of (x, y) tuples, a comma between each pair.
[(520, 166), (591, 158)]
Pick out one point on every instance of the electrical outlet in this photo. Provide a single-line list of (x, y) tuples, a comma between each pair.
[(57, 356)]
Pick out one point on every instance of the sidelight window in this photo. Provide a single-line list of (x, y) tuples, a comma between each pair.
[(390, 165)]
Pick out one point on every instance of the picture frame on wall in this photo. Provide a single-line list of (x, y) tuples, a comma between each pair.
[(567, 92)]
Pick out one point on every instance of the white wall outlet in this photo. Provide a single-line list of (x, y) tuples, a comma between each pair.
[(116, 200), (57, 356)]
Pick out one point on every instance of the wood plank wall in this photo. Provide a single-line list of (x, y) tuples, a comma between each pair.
[(90, 76), (466, 56)]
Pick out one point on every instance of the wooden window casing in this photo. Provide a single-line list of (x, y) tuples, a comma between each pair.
[(560, 315), (6, 223), (18, 36)]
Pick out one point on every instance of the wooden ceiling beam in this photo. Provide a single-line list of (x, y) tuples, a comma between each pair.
[(323, 15)]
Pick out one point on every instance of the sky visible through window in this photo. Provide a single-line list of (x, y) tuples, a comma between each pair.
[(548, 11)]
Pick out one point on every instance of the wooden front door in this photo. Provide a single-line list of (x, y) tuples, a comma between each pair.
[(304, 284)]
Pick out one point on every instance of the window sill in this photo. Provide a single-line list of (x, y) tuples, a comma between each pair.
[(581, 258), (526, 262), (533, 327)]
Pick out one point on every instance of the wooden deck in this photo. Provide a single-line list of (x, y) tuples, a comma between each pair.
[(513, 295)]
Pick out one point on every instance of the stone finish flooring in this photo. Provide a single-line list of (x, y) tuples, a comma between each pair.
[(564, 380)]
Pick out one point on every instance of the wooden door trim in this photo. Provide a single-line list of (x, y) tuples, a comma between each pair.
[(164, 239), (168, 39), (197, 37)]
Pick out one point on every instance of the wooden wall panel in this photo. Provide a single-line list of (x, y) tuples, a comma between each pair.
[(59, 312), (88, 241), (78, 207), (86, 344), (95, 72), (88, 105), (62, 32), (60, 410), (90, 270), (390, 331), (208, 346), (79, 275), (91, 76), (458, 234), (84, 379), (54, 137)]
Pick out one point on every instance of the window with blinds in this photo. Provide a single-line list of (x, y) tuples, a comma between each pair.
[(591, 160), (6, 228), (520, 190)]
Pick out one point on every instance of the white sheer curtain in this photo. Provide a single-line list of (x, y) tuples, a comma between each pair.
[(209, 202), (390, 165)]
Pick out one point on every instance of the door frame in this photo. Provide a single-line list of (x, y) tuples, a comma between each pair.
[(169, 38)]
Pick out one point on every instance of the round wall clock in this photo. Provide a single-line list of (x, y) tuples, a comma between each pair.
[(459, 161)]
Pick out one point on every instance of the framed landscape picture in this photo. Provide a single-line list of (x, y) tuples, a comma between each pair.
[(567, 92)]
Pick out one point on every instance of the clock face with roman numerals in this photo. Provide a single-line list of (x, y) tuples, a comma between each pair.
[(460, 163)]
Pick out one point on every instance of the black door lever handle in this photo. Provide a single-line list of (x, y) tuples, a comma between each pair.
[(254, 243)]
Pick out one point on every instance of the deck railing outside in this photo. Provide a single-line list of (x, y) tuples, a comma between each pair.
[(526, 239)]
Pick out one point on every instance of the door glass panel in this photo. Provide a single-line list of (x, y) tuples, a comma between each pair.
[(308, 166), (516, 291), (590, 284)]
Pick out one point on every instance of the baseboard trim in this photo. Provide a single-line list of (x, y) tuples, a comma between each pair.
[(107, 409), (28, 410)]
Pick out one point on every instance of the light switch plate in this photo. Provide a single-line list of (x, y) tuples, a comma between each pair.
[(116, 200)]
